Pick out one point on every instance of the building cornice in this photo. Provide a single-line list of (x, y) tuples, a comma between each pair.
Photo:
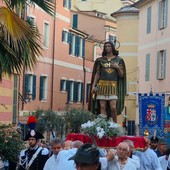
[(141, 3)]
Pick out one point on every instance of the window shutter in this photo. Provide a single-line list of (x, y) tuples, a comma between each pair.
[(68, 39), (77, 46), (63, 34), (157, 69), (61, 84), (75, 21), (68, 90), (83, 48), (164, 64), (64, 3), (34, 88), (41, 87), (87, 92), (26, 83), (148, 20), (70, 44), (147, 69), (69, 4), (159, 15), (131, 127), (166, 13), (75, 99), (82, 92)]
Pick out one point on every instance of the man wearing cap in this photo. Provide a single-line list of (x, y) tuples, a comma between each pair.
[(35, 157), (154, 143), (87, 158), (161, 148)]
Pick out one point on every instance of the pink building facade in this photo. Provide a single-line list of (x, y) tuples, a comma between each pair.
[(154, 46)]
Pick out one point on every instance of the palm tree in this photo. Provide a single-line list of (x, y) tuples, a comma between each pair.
[(20, 43)]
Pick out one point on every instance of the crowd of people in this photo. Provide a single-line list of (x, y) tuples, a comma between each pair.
[(72, 155)]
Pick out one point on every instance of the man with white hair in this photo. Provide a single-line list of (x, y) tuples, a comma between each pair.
[(121, 161), (131, 155)]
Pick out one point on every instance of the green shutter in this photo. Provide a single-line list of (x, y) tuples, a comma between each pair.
[(26, 79), (41, 88), (34, 88), (75, 98), (75, 21), (68, 90), (83, 48)]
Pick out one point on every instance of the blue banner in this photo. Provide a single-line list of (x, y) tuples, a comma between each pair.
[(167, 125), (151, 114)]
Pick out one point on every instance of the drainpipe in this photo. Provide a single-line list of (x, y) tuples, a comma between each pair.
[(84, 81), (53, 57)]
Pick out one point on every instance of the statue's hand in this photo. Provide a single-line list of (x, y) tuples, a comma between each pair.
[(114, 65)]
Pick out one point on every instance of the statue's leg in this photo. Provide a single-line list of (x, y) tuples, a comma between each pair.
[(103, 107), (112, 104)]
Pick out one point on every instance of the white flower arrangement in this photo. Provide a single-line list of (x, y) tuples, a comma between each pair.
[(102, 127)]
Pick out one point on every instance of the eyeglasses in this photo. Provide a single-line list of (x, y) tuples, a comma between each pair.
[(92, 148), (122, 149)]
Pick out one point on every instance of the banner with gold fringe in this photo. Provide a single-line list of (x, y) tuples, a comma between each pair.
[(151, 114)]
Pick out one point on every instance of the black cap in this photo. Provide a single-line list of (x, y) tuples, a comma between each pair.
[(154, 139), (33, 134), (86, 154)]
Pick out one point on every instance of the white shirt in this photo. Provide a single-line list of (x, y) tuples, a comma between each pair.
[(148, 160), (62, 160), (51, 163), (164, 162), (116, 165)]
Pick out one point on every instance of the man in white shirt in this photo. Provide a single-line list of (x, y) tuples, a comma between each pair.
[(56, 147), (121, 161), (131, 155), (165, 160), (148, 158), (64, 155)]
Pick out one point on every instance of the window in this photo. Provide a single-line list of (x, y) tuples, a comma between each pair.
[(64, 36), (72, 44), (75, 21), (46, 35), (112, 39), (147, 69), (161, 64), (70, 90), (148, 20), (163, 14), (31, 20), (67, 4), (78, 91), (87, 92), (76, 45), (71, 94), (43, 87), (30, 85), (62, 85)]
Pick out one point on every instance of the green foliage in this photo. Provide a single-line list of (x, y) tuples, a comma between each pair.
[(75, 117), (69, 121), (10, 142)]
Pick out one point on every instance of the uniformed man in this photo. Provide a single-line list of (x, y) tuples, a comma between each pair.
[(35, 157)]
